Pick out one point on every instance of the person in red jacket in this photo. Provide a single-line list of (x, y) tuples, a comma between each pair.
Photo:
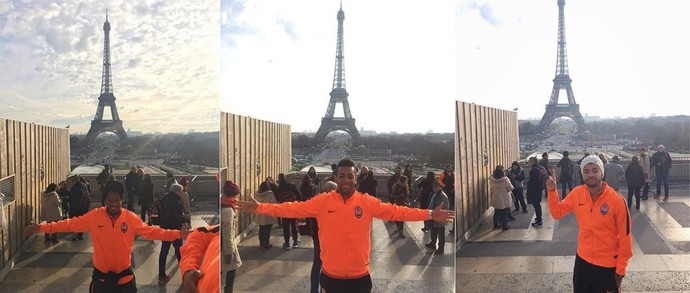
[(200, 263), (604, 243), (345, 217), (112, 230)]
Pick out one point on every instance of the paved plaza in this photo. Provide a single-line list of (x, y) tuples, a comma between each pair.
[(397, 264), (527, 259)]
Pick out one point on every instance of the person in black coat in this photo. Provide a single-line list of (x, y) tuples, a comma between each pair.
[(289, 225), (535, 185), (634, 175), (517, 176), (172, 217), (146, 196), (76, 206), (566, 176)]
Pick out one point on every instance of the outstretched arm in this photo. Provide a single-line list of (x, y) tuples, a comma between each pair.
[(295, 209)]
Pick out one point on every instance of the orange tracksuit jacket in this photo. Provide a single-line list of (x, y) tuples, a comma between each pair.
[(112, 241), (203, 243), (605, 237), (344, 227)]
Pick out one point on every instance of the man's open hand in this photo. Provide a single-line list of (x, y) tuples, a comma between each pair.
[(439, 215)]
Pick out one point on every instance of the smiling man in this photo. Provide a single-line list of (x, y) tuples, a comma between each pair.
[(604, 243), (345, 216), (112, 230)]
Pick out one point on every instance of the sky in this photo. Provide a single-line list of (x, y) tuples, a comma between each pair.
[(278, 61), (164, 63), (626, 58)]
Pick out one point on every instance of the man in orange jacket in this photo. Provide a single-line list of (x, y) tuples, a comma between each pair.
[(112, 232), (197, 275), (345, 218), (605, 240)]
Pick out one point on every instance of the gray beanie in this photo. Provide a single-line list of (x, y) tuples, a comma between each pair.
[(592, 159), (329, 186)]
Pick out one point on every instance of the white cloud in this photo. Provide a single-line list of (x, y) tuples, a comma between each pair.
[(164, 61)]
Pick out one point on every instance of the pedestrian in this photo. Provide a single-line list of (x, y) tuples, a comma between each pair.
[(63, 192), (605, 239), (231, 256), (579, 164), (535, 185), (566, 177), (77, 207), (186, 201), (132, 182), (500, 197), (438, 228), (426, 187), (447, 180), (314, 176), (171, 180), (614, 173), (368, 184), (646, 165), (351, 210), (50, 210), (265, 222), (102, 177), (661, 161), (407, 171), (112, 230), (517, 176), (363, 173), (634, 176), (200, 257), (288, 192), (400, 196), (146, 198), (392, 180), (172, 217)]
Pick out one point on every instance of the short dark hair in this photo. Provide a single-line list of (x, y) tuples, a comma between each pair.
[(51, 187), (346, 163), (566, 153), (113, 186)]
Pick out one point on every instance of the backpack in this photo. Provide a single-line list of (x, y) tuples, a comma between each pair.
[(85, 200), (287, 196)]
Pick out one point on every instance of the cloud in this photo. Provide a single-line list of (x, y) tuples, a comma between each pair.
[(164, 62), (485, 11)]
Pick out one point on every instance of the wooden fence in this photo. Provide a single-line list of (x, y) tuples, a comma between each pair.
[(31, 157), (250, 151), (484, 137)]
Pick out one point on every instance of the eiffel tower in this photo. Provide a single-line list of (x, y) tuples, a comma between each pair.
[(561, 81), (98, 124), (338, 94)]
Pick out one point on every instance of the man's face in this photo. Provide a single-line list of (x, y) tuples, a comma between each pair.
[(436, 188), (449, 169), (346, 180), (660, 149), (113, 203), (133, 170), (592, 175), (398, 171)]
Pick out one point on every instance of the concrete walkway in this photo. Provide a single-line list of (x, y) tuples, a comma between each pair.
[(67, 267), (397, 264), (527, 259)]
